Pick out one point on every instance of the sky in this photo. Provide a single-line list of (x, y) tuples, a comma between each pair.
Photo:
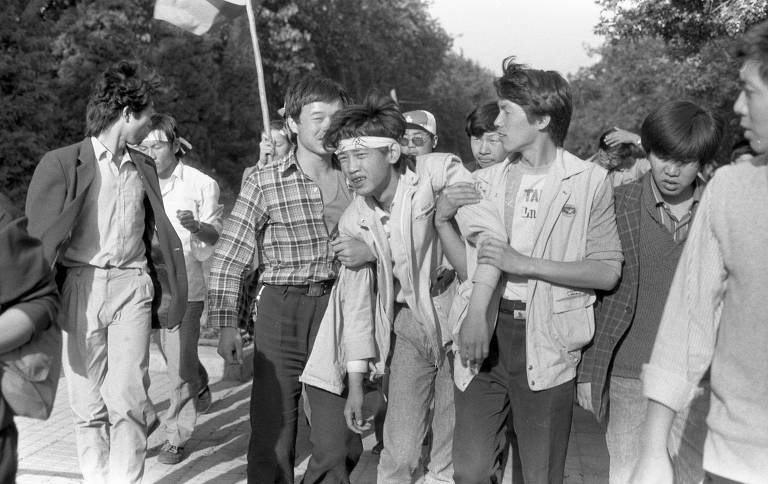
[(547, 34)]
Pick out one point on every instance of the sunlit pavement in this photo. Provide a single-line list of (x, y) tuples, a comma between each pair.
[(216, 453)]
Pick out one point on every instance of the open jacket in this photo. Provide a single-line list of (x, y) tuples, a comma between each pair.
[(360, 314), (560, 320), (616, 308), (54, 202)]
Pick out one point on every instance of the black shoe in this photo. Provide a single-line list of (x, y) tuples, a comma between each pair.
[(377, 448)]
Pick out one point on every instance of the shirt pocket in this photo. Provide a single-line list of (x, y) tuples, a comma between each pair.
[(573, 317)]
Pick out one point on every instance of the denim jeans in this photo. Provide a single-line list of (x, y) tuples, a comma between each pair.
[(106, 323), (624, 437), (420, 399), (499, 396), (186, 375)]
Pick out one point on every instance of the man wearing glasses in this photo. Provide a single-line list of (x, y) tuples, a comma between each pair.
[(420, 134)]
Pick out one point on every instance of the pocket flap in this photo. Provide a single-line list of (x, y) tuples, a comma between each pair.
[(566, 299)]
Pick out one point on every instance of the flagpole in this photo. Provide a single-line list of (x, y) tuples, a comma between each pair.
[(259, 68)]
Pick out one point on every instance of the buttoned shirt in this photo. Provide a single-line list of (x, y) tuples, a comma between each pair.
[(190, 189), (677, 227), (110, 229), (280, 214)]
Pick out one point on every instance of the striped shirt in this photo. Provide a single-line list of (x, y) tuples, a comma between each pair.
[(280, 213), (677, 227)]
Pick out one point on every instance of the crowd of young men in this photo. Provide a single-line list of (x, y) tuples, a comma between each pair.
[(490, 297)]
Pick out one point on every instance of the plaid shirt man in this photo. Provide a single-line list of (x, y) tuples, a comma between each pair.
[(615, 309), (279, 213)]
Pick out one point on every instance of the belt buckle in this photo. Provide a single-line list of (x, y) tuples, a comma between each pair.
[(519, 314), (315, 289)]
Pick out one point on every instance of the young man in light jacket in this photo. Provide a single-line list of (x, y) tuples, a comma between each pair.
[(563, 244), (393, 212)]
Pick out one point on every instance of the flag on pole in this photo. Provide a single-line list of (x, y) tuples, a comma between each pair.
[(197, 16)]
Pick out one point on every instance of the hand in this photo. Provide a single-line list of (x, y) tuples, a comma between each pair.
[(187, 220), (352, 252), (230, 346), (266, 149), (452, 197), (353, 410), (621, 136), (584, 396), (499, 254), (652, 469), (474, 338)]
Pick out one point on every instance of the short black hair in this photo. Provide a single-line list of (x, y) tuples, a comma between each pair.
[(481, 120), (682, 131), (125, 84), (309, 89), (754, 47), (376, 116), (539, 93)]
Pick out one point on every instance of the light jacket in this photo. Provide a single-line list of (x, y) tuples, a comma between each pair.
[(360, 314), (560, 320)]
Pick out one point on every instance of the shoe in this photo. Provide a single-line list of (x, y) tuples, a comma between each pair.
[(170, 454), (377, 448), (204, 400)]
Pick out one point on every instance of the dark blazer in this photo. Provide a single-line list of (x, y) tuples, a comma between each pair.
[(616, 308), (55, 199)]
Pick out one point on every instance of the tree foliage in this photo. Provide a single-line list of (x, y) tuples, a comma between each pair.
[(48, 65), (658, 51)]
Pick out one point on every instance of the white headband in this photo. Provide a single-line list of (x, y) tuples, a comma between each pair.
[(159, 135), (362, 142)]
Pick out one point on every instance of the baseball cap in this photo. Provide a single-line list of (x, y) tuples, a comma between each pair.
[(421, 119)]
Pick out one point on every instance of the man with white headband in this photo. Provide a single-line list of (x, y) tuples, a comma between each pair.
[(191, 200), (393, 213)]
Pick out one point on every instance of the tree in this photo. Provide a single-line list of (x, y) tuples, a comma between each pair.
[(657, 51)]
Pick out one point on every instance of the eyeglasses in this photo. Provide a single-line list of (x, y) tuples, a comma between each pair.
[(418, 141)]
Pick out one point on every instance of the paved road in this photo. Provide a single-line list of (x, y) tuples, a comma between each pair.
[(216, 454)]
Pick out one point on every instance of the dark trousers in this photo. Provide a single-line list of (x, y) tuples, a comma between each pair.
[(9, 457), (284, 331), (541, 420)]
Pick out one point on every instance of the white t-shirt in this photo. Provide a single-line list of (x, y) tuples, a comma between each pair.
[(523, 195)]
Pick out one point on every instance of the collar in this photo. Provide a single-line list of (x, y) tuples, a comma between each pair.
[(178, 172), (288, 162), (565, 165), (698, 190), (101, 152)]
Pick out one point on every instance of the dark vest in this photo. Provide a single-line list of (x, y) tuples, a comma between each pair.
[(658, 256)]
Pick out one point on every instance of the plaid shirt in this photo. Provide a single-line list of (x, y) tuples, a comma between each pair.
[(281, 209), (677, 227)]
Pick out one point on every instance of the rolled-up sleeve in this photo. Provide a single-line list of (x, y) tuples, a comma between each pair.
[(603, 241), (686, 339), (234, 254), (476, 221), (211, 213)]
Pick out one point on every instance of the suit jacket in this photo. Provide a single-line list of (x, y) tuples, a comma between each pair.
[(616, 308), (55, 199)]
